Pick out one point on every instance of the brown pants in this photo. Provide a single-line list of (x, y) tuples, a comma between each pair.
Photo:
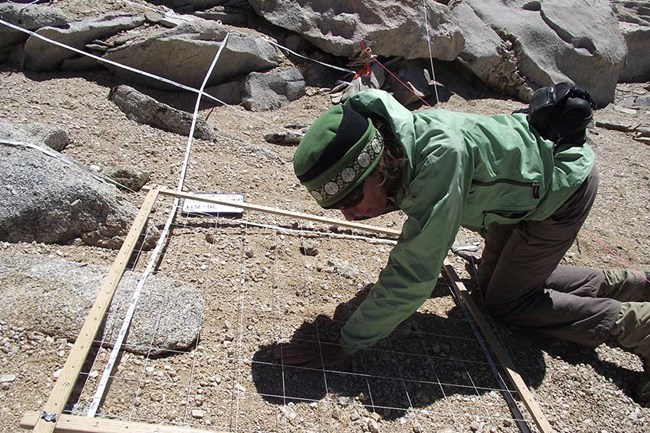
[(522, 284)]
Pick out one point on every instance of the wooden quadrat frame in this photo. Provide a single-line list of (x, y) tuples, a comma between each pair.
[(51, 418)]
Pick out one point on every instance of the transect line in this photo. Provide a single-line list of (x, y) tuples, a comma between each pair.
[(153, 260), (237, 388), (195, 115), (310, 286), (101, 387), (433, 72)]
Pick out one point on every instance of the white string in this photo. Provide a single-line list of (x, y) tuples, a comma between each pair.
[(190, 137), (433, 72), (338, 68), (99, 393)]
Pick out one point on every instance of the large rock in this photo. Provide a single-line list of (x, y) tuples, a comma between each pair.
[(145, 109), (48, 198), (637, 66), (54, 296), (272, 90), (184, 55), (632, 11), (560, 40), (42, 55), (388, 28), (30, 17), (490, 58), (203, 4)]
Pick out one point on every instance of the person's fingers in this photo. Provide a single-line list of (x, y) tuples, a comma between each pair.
[(298, 355)]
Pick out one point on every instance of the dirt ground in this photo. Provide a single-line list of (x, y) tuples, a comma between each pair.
[(261, 290)]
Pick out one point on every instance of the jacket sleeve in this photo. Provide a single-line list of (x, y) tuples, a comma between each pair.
[(433, 205)]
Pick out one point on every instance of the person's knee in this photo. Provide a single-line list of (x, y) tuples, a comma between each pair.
[(498, 311)]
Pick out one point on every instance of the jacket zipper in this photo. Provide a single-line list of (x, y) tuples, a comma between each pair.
[(534, 185)]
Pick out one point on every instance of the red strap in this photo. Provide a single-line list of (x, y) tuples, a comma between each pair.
[(365, 70)]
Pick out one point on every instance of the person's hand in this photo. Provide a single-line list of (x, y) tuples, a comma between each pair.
[(311, 354)]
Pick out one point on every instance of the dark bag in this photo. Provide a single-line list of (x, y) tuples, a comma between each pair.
[(561, 114)]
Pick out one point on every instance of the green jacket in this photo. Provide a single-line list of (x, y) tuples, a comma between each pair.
[(463, 170)]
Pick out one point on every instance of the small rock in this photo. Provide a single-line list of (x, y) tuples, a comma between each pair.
[(131, 178), (617, 126), (344, 401), (153, 16), (289, 412), (642, 100), (284, 137), (373, 426), (625, 110), (198, 413), (308, 248), (7, 378), (57, 373)]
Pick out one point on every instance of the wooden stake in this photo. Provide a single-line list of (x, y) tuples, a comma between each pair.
[(82, 424), (500, 352), (276, 211), (63, 387)]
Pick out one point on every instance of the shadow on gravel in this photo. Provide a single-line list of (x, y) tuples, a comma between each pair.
[(427, 358)]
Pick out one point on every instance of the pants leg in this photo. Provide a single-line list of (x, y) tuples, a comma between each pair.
[(625, 285), (621, 284), (632, 328), (525, 256)]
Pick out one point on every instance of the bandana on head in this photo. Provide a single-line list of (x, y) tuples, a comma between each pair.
[(340, 149)]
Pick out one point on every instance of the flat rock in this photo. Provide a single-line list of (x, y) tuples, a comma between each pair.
[(184, 55), (41, 55), (30, 18), (389, 29), (54, 296)]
